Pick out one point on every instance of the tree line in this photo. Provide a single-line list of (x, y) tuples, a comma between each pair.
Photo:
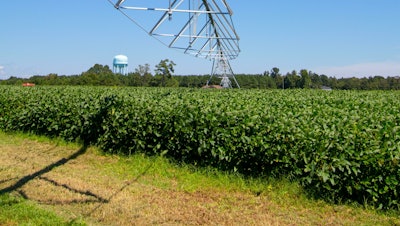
[(102, 75)]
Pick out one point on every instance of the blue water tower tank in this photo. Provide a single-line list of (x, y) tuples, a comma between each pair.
[(120, 65)]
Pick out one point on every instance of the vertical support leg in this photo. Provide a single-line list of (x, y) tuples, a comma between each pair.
[(223, 70)]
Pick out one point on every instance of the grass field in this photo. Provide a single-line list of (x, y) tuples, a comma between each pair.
[(50, 182)]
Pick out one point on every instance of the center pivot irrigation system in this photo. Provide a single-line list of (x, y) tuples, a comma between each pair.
[(202, 28)]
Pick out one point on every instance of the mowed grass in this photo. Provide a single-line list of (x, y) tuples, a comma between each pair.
[(50, 182), (18, 211)]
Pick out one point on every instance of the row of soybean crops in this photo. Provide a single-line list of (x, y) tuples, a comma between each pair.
[(341, 144)]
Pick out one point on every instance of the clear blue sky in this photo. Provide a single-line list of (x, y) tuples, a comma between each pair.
[(339, 38)]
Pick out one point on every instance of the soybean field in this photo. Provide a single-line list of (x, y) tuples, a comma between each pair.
[(340, 145)]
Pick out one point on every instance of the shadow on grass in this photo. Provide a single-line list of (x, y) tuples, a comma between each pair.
[(39, 175), (7, 180), (122, 188), (21, 182), (16, 187)]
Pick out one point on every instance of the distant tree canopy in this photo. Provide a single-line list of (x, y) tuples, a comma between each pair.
[(100, 75), (164, 70)]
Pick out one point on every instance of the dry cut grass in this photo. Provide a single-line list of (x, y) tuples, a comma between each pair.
[(78, 182)]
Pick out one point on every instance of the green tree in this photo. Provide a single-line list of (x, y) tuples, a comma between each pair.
[(274, 72), (277, 77), (165, 68), (133, 79), (144, 74), (99, 69), (325, 81), (291, 80), (305, 80), (142, 70), (315, 80), (12, 81), (394, 82)]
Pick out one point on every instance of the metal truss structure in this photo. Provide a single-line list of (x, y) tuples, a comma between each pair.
[(222, 69), (202, 28)]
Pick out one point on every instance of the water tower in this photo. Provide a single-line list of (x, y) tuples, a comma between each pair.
[(120, 65)]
